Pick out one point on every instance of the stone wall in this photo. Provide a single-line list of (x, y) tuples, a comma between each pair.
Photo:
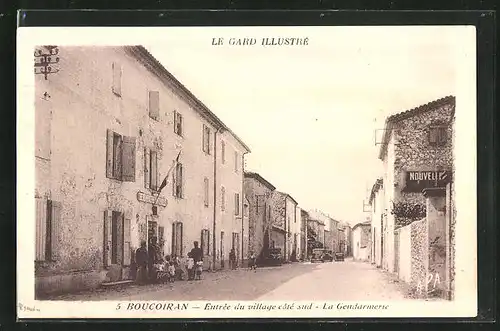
[(414, 152), (419, 256)]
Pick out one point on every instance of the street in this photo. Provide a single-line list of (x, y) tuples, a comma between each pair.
[(298, 281)]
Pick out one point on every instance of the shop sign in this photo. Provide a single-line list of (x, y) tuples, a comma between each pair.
[(149, 198), (416, 181)]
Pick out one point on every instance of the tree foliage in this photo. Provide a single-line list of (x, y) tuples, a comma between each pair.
[(406, 212)]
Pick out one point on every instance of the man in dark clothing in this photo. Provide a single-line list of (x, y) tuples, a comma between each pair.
[(141, 258), (152, 251), (196, 253)]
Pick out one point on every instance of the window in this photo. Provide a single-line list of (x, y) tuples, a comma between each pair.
[(236, 204), (117, 79), (47, 228), (120, 159), (178, 182), (205, 191), (178, 123), (437, 135), (236, 161), (150, 169), (154, 105), (223, 151), (223, 198), (205, 242), (206, 139), (177, 247)]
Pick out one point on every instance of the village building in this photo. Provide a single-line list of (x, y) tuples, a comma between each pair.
[(348, 239), (296, 230), (258, 192), (417, 220), (304, 221), (361, 240), (283, 216), (377, 209), (109, 125)]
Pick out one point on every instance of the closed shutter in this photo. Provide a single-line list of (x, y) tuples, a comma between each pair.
[(128, 159), (55, 229), (161, 239), (433, 132), (109, 154), (153, 156), (108, 215), (41, 229), (146, 167), (154, 104), (126, 240), (180, 239), (120, 220)]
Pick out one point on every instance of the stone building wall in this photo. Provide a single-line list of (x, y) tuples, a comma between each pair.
[(419, 257), (413, 151)]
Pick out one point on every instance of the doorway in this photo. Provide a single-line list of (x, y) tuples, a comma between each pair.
[(222, 249)]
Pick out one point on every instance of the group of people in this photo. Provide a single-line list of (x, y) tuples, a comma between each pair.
[(153, 268)]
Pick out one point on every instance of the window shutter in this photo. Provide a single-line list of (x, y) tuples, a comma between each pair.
[(107, 238), (117, 79), (120, 247), (109, 154), (161, 239), (204, 138), (146, 167), (205, 191), (179, 124), (55, 227), (154, 169), (127, 252), (433, 135), (180, 240), (176, 130), (128, 159), (154, 104), (41, 229)]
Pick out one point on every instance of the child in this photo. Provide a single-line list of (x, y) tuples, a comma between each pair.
[(252, 261), (199, 269), (190, 267), (171, 272), (159, 268)]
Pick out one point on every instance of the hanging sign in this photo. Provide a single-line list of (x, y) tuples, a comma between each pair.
[(149, 198), (416, 181)]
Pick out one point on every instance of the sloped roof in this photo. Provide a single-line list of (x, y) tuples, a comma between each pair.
[(366, 223), (376, 186), (256, 176), (157, 68), (391, 120)]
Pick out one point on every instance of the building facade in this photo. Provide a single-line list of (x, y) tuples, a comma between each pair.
[(283, 217), (258, 193), (416, 153), (361, 239), (109, 125), (377, 209)]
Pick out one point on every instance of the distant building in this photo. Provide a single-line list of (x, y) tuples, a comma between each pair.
[(283, 217), (258, 192), (361, 240)]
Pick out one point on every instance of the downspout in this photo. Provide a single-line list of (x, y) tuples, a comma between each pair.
[(214, 235), (243, 198), (286, 242)]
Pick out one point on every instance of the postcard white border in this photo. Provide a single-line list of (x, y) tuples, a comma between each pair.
[(465, 303)]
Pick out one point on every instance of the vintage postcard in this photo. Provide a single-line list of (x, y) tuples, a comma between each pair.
[(236, 172)]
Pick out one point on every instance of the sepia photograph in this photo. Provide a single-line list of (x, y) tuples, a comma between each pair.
[(253, 171)]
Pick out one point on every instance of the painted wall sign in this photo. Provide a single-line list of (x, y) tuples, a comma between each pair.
[(148, 198), (416, 181)]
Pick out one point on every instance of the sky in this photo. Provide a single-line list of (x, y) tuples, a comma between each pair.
[(310, 113)]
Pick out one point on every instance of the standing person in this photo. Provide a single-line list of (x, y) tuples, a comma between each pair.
[(141, 258), (252, 261), (196, 254), (232, 258), (152, 251)]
